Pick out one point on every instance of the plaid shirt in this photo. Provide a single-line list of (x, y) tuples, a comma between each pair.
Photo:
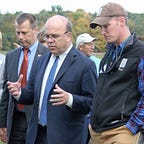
[(136, 121)]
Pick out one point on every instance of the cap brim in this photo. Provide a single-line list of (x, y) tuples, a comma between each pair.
[(90, 40), (100, 21)]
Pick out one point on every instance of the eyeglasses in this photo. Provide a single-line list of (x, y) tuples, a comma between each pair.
[(53, 36)]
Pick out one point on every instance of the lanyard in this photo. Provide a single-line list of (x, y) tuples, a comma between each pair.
[(113, 56)]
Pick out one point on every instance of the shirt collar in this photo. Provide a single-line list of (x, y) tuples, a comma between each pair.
[(33, 46), (66, 52)]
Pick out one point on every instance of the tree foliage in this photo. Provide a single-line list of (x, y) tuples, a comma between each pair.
[(80, 20)]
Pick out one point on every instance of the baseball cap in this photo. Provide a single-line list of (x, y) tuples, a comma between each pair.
[(84, 38), (106, 12)]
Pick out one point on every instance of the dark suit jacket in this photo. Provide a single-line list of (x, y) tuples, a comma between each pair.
[(65, 125), (11, 74)]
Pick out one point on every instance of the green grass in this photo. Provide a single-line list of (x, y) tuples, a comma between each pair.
[(99, 55), (3, 52)]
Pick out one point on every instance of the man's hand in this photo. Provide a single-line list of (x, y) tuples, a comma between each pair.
[(14, 87), (60, 98), (3, 135)]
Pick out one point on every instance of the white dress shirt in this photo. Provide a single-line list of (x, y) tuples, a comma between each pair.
[(46, 74), (2, 63)]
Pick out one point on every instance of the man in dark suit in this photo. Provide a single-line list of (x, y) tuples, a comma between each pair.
[(70, 96), (13, 121)]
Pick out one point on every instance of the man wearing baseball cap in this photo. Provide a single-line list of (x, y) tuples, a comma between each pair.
[(107, 12), (85, 43), (118, 104)]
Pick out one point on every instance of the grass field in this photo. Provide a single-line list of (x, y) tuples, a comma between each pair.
[(99, 55), (3, 52)]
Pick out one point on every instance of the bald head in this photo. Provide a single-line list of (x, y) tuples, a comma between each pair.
[(57, 18), (58, 22), (58, 34)]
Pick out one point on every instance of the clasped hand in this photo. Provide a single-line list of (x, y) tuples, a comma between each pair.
[(14, 87)]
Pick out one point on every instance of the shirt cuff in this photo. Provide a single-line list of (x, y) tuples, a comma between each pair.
[(18, 96), (133, 127), (70, 101)]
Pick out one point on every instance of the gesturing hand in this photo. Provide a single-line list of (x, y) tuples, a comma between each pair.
[(14, 87), (60, 98)]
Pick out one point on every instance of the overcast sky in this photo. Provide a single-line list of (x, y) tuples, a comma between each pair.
[(34, 6)]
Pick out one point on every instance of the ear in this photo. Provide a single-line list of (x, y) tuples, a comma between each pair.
[(36, 29), (69, 36), (80, 47), (122, 21)]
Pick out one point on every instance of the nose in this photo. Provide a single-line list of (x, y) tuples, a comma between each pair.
[(20, 35), (50, 39), (102, 30)]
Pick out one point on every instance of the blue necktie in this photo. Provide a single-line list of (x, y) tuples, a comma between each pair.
[(43, 113)]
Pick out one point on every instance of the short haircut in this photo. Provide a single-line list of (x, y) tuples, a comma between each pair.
[(22, 17)]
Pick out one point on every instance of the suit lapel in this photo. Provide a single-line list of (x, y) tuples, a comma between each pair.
[(15, 66), (42, 71), (38, 53), (69, 60)]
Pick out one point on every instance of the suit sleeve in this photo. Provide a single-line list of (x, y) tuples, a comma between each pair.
[(82, 103)]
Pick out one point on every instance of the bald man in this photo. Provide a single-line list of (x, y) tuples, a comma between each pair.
[(70, 96)]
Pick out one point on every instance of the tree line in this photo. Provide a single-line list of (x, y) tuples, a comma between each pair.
[(80, 20)]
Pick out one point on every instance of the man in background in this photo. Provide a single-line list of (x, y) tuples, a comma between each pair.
[(85, 43), (14, 117), (40, 36)]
